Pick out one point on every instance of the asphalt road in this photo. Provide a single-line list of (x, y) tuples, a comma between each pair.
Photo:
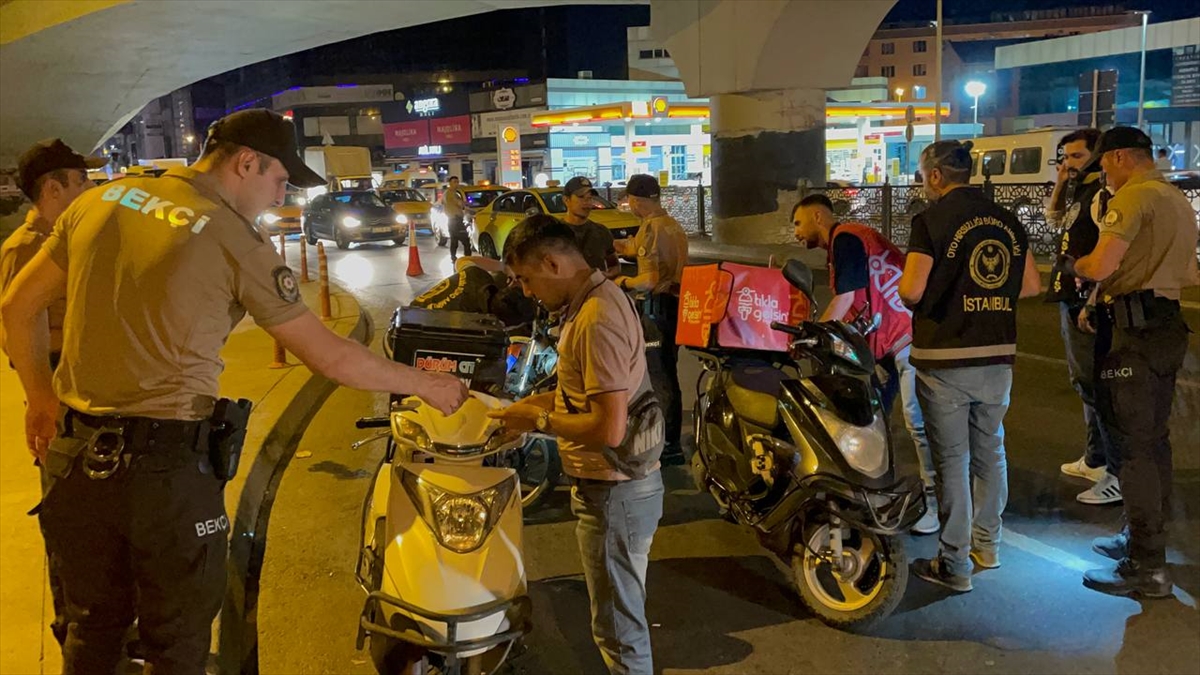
[(717, 602)]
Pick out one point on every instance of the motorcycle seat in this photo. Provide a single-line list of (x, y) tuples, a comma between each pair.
[(754, 393)]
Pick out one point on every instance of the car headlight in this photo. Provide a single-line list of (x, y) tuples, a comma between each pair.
[(351, 221), (461, 522), (865, 448), (301, 201), (270, 218), (844, 350), (401, 218)]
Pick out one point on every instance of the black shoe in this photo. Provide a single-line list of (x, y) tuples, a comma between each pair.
[(674, 457), (934, 571), (1115, 547), (1131, 578)]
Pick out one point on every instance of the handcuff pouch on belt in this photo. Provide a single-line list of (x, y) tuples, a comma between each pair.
[(227, 435)]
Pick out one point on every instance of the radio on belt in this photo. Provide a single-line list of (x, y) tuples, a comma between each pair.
[(472, 346)]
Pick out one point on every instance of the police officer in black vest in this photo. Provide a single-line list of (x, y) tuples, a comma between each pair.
[(1145, 255)]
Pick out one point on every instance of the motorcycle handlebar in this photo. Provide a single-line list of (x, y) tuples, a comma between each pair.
[(787, 328), (372, 422)]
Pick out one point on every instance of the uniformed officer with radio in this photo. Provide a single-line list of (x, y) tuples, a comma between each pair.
[(1145, 256), (156, 273)]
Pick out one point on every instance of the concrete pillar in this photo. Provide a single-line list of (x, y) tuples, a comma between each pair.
[(764, 144)]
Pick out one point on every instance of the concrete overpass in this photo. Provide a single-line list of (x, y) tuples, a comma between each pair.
[(80, 69)]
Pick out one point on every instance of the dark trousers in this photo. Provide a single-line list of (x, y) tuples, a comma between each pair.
[(155, 531), (458, 233), (662, 309), (1135, 385), (1080, 350)]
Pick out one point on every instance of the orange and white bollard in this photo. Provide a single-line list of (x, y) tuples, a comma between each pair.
[(303, 260), (323, 279), (282, 247), (414, 256)]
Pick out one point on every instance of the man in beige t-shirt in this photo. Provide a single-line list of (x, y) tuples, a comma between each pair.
[(156, 272), (601, 369), (661, 247), (1144, 258), (454, 205)]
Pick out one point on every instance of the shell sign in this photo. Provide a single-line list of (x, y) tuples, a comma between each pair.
[(659, 105), (509, 134)]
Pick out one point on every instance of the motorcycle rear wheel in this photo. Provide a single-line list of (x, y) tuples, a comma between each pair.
[(865, 592)]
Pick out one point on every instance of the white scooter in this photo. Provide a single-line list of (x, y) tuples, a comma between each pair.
[(441, 557)]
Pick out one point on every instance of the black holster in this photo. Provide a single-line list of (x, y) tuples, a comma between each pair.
[(227, 435)]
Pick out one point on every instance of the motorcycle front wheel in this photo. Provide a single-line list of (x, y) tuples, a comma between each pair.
[(860, 591), (538, 468)]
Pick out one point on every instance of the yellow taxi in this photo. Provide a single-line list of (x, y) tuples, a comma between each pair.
[(408, 202), (496, 220), (284, 218)]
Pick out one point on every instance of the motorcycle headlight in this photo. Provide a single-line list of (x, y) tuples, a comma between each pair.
[(865, 448), (270, 218), (401, 218), (351, 221), (415, 434), (844, 350), (461, 522)]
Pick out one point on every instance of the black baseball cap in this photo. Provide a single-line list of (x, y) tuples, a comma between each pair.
[(580, 186), (1120, 138), (642, 185), (269, 133), (50, 155)]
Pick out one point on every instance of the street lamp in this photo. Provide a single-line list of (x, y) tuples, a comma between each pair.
[(975, 89), (900, 94)]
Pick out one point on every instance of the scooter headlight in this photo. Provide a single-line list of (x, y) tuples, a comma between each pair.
[(865, 448), (461, 522), (415, 434)]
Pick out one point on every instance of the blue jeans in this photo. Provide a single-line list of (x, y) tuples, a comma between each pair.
[(616, 526), (913, 419), (964, 419)]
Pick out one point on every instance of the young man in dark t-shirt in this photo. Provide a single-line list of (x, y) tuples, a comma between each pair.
[(594, 239), (967, 265), (1073, 208)]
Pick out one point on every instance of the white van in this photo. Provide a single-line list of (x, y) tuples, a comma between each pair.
[(1029, 157)]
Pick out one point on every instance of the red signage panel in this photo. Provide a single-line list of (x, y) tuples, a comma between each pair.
[(408, 134), (450, 130)]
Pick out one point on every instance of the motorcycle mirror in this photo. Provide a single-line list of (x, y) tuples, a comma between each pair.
[(799, 276)]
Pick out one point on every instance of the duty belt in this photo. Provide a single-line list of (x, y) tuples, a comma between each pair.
[(1139, 309), (112, 439)]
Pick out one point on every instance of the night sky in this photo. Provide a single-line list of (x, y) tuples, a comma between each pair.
[(559, 41)]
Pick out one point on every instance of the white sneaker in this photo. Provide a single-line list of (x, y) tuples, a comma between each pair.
[(1107, 490), (929, 523), (1080, 469)]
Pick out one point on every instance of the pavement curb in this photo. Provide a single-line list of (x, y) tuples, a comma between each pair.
[(237, 651)]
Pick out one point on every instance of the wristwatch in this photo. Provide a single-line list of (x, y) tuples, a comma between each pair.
[(543, 421)]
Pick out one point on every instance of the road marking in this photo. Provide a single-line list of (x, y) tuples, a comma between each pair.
[(1070, 560), (1179, 382)]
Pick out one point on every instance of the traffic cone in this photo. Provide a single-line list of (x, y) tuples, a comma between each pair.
[(414, 256)]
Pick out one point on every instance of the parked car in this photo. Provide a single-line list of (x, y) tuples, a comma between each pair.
[(352, 216), (284, 218), (410, 203), (497, 219)]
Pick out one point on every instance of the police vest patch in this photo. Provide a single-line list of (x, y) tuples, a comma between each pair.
[(285, 284)]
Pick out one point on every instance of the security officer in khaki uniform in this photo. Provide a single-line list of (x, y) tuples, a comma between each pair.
[(661, 247), (1145, 256), (156, 273)]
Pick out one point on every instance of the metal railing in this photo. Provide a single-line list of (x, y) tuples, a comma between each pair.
[(691, 205)]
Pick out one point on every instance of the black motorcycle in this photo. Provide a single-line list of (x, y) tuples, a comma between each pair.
[(797, 447)]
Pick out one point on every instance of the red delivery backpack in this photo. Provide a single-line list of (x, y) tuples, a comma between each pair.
[(740, 302)]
